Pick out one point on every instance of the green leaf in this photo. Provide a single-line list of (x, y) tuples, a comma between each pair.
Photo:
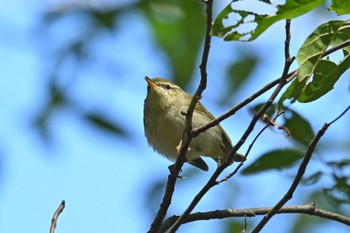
[(325, 73), (312, 50), (277, 159), (104, 124), (340, 191), (341, 7), (299, 128), (312, 179), (106, 18), (271, 112), (238, 74), (178, 28), (247, 18)]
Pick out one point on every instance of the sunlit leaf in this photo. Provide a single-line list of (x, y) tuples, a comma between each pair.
[(277, 159), (325, 73), (341, 7), (248, 17)]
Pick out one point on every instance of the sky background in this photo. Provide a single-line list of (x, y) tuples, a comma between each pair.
[(104, 179)]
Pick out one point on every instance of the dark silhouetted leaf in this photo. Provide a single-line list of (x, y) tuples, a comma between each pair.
[(153, 195), (105, 124), (339, 165), (299, 128), (106, 18), (312, 179), (238, 74), (340, 191), (277, 159), (271, 112)]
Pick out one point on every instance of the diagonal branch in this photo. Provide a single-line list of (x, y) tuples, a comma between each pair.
[(187, 137), (56, 215), (299, 176), (267, 87), (213, 179), (309, 209), (189, 133)]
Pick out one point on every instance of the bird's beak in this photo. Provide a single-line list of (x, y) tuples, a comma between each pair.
[(151, 83)]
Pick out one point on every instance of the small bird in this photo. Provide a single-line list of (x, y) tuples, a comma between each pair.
[(165, 110)]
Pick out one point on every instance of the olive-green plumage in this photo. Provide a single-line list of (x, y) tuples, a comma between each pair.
[(164, 123)]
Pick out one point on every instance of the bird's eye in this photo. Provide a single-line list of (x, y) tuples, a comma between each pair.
[(167, 86)]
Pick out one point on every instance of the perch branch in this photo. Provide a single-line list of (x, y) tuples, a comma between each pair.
[(309, 209), (56, 215), (187, 137), (299, 175)]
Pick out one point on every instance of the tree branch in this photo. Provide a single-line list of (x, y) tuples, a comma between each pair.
[(187, 137), (213, 179), (299, 176), (189, 133), (56, 215), (309, 209), (267, 87)]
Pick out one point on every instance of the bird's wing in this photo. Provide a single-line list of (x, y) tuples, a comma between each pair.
[(226, 143)]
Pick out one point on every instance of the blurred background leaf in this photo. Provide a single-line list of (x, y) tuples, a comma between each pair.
[(105, 124), (238, 73), (173, 24), (277, 159), (299, 128), (82, 59)]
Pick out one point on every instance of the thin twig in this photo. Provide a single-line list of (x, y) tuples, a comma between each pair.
[(247, 153), (212, 181), (200, 89), (195, 132), (267, 87), (187, 137), (56, 215), (309, 209), (336, 48), (299, 175)]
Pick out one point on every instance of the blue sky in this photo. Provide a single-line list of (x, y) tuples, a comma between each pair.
[(104, 179)]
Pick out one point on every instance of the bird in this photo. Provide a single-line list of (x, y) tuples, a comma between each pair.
[(164, 119)]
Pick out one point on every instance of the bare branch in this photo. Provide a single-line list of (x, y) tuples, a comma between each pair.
[(309, 209), (197, 96), (249, 149), (56, 215), (336, 48), (299, 175), (212, 181), (189, 133), (267, 87), (187, 137)]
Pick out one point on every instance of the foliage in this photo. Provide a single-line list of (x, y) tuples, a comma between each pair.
[(291, 9), (178, 29)]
